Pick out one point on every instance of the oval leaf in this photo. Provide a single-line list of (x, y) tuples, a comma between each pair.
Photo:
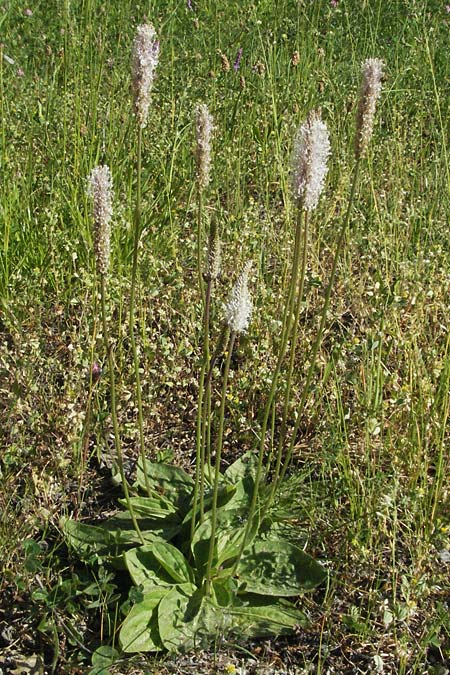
[(264, 620), (145, 569), (175, 618), (139, 631), (173, 561), (276, 567), (243, 467), (170, 482), (150, 507)]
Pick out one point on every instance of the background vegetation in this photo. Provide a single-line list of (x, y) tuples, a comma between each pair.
[(370, 493)]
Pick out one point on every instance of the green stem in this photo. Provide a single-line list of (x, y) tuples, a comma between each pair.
[(137, 233), (201, 283), (218, 459), (279, 477), (286, 331), (207, 396), (298, 306), (112, 387), (199, 485)]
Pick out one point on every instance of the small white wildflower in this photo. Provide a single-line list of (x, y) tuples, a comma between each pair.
[(145, 60), (100, 190), (372, 72), (203, 127), (309, 161), (238, 309)]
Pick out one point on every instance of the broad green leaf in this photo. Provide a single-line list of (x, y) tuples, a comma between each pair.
[(151, 507), (170, 482), (139, 631), (224, 590), (189, 620), (104, 656), (145, 569), (257, 619), (88, 539), (276, 567), (173, 562), (176, 612), (160, 564), (123, 532), (243, 493), (224, 495), (230, 531), (244, 466)]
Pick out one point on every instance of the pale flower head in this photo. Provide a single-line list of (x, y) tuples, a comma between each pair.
[(203, 128), (372, 72), (145, 60), (238, 309), (100, 191), (309, 161)]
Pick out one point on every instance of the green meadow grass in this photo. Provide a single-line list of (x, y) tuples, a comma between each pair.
[(370, 481)]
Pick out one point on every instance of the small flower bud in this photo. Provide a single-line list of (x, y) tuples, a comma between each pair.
[(238, 309), (309, 161), (225, 62), (204, 127), (214, 260), (145, 60), (100, 191), (372, 72)]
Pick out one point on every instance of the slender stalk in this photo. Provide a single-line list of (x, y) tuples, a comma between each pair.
[(199, 486), (286, 331), (278, 477), (112, 387), (200, 431), (293, 349), (137, 234), (207, 403), (199, 476), (201, 283), (218, 458)]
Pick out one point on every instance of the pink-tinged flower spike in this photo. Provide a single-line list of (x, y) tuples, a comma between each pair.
[(204, 128), (145, 60), (309, 161), (372, 72), (238, 309), (100, 190)]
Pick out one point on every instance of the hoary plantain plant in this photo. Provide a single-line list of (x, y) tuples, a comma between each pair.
[(178, 610), (207, 555)]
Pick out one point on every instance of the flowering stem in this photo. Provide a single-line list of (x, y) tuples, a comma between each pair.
[(286, 331), (298, 306), (199, 486), (201, 283), (287, 328), (218, 459), (137, 232), (112, 388), (278, 478)]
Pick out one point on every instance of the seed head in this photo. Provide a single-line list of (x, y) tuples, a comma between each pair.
[(372, 72), (309, 161), (225, 62), (214, 259), (100, 191), (145, 60), (204, 127), (238, 309)]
